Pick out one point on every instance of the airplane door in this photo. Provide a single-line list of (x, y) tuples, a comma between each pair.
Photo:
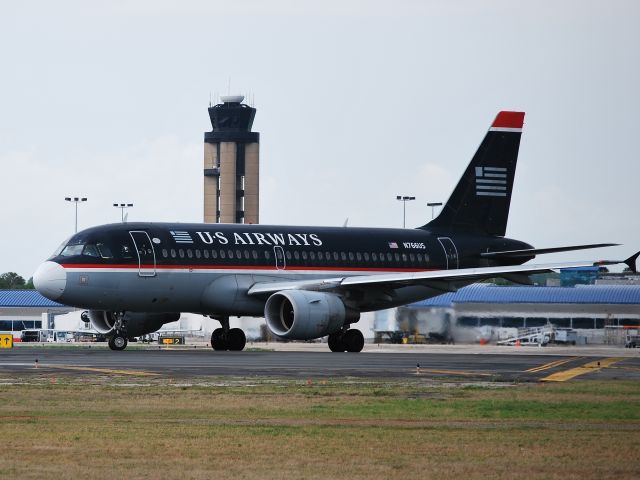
[(450, 252), (146, 253), (278, 252)]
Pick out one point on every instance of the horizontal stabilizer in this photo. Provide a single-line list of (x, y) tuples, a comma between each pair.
[(630, 262), (530, 252)]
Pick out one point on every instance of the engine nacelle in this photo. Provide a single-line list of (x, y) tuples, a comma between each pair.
[(304, 315), (136, 323)]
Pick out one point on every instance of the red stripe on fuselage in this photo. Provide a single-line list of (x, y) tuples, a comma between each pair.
[(96, 266)]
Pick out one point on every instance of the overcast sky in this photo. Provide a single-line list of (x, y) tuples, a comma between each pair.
[(358, 101)]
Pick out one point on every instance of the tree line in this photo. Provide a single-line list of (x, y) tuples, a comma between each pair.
[(13, 281)]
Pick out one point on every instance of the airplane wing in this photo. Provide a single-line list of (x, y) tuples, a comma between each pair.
[(427, 278), (539, 251), (439, 279)]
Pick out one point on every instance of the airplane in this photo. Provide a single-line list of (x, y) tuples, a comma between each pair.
[(308, 282)]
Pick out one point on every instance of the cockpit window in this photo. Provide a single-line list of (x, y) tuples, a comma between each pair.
[(90, 250), (60, 248), (98, 250), (72, 250), (104, 251)]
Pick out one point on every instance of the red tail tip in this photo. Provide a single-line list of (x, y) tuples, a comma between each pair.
[(509, 120)]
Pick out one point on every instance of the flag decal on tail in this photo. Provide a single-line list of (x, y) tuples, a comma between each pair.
[(491, 181)]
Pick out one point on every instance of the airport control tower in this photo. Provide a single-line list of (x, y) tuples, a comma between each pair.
[(231, 164)]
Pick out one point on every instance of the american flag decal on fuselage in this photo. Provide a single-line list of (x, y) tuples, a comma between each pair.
[(181, 236), (491, 181)]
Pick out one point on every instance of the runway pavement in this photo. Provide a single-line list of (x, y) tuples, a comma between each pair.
[(308, 362)]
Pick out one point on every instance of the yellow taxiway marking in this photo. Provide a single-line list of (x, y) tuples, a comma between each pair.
[(590, 367), (138, 373), (550, 365), (450, 372)]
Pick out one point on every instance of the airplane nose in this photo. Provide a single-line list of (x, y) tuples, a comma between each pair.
[(50, 280)]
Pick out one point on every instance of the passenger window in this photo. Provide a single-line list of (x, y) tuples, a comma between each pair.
[(366, 257), (206, 253), (304, 255), (90, 250), (335, 256), (267, 255), (404, 257), (230, 252), (312, 255), (214, 254), (288, 254), (165, 254), (343, 256), (412, 256), (189, 253), (181, 253), (254, 254), (296, 255), (419, 255), (173, 253), (390, 256), (397, 257), (222, 254), (238, 254), (351, 257), (198, 254), (374, 255), (359, 256)]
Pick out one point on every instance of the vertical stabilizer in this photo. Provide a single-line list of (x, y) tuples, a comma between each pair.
[(480, 202)]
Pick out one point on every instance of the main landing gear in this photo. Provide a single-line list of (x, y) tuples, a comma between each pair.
[(350, 340), (118, 341), (226, 338)]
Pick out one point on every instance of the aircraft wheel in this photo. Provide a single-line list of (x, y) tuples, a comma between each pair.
[(236, 339), (335, 342), (353, 340), (218, 342), (118, 342)]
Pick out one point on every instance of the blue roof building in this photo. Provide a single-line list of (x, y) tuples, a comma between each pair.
[(588, 308), (21, 309)]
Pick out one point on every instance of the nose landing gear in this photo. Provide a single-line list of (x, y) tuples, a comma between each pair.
[(118, 341)]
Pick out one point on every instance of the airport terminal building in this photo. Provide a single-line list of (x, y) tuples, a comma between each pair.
[(596, 311), (26, 309)]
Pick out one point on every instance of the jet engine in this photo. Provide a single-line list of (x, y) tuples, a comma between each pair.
[(304, 315), (136, 324)]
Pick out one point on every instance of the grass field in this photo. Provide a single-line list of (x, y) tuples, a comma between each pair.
[(101, 427)]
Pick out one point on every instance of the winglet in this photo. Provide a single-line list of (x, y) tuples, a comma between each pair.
[(631, 262), (508, 121)]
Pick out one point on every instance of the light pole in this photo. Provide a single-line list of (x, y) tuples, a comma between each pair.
[(122, 207), (433, 206), (76, 200), (404, 199)]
